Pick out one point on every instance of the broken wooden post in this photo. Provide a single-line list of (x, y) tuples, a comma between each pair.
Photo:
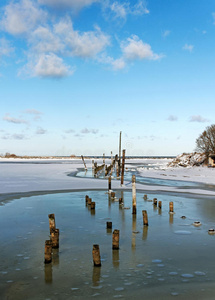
[(109, 225), (171, 207), (123, 166), (115, 241), (86, 199), (134, 204), (84, 162), (155, 201), (51, 222), (160, 204), (93, 205), (145, 197), (89, 201), (55, 238), (109, 184), (48, 252), (120, 201), (103, 158), (92, 164), (145, 218), (96, 256), (112, 195)]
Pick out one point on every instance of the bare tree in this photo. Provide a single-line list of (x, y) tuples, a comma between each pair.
[(206, 141)]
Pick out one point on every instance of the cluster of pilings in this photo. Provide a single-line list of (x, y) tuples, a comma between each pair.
[(53, 242)]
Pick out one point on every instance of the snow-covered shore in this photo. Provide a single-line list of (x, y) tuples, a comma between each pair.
[(19, 176)]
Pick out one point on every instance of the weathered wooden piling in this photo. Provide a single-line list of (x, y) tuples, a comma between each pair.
[(96, 256), (145, 197), (112, 195), (171, 210), (160, 204), (84, 162), (145, 218), (109, 183), (115, 240), (120, 201), (48, 252), (55, 238), (89, 201), (51, 222), (155, 201), (134, 204), (123, 166), (103, 158), (93, 164), (86, 199), (93, 205), (109, 225)]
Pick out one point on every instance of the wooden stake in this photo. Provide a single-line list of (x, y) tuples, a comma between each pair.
[(109, 183), (123, 166), (134, 204), (145, 197), (109, 225), (48, 252), (103, 158), (155, 201), (86, 199), (171, 207), (145, 218), (93, 205), (89, 201), (112, 195), (115, 241), (84, 162), (55, 238), (51, 222), (160, 204), (96, 256)]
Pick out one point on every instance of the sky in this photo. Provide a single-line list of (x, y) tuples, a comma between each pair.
[(74, 73)]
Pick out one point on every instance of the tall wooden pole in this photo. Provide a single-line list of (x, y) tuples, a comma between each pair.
[(123, 166), (134, 204)]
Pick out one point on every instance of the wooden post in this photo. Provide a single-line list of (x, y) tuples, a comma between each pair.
[(111, 154), (48, 252), (160, 204), (55, 238), (93, 164), (123, 166), (89, 201), (145, 197), (86, 199), (84, 162), (171, 207), (103, 158), (155, 201), (109, 225), (120, 143), (93, 205), (51, 222), (134, 204), (145, 218), (112, 195), (109, 184), (96, 256), (115, 241)]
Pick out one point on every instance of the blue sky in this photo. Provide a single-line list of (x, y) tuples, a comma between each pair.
[(74, 73)]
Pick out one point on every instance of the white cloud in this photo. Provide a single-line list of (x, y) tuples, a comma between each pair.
[(5, 47), (140, 8), (87, 44), (75, 4), (70, 131), (188, 47), (10, 119), (47, 66), (213, 15), (43, 40), (40, 130), (21, 17), (166, 33), (120, 10), (134, 48), (33, 111), (172, 118), (86, 131), (198, 118)]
